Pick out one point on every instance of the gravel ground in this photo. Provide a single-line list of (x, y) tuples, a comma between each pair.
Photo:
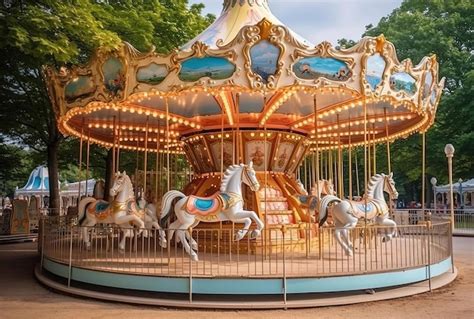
[(21, 296)]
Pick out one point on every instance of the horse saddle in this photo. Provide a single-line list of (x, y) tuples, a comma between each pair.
[(308, 201), (204, 206), (361, 210), (101, 209)]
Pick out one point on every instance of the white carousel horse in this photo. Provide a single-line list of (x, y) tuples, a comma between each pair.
[(346, 213), (122, 211), (99, 189), (151, 221), (224, 205)]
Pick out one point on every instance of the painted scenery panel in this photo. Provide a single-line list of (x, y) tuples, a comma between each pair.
[(296, 158), (152, 74), (80, 87), (216, 153), (255, 151), (213, 67), (264, 59), (374, 70), (427, 85), (316, 67), (403, 81), (202, 157), (282, 156), (114, 77)]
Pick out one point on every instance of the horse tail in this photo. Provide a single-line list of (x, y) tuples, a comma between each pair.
[(323, 207), (166, 204), (81, 211)]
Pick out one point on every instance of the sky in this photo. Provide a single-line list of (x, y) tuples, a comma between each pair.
[(323, 20)]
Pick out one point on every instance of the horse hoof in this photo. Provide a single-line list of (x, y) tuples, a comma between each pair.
[(194, 257), (194, 246), (349, 253), (255, 234), (239, 235), (121, 251), (163, 243)]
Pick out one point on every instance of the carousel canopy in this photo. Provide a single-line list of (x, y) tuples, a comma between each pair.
[(255, 73)]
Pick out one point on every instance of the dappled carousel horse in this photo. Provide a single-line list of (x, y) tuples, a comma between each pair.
[(346, 213), (224, 205), (123, 211)]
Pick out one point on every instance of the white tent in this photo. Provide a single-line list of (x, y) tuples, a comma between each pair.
[(38, 185), (464, 189)]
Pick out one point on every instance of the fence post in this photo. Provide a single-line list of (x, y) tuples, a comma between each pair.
[(70, 257), (42, 242), (429, 254), (283, 231), (190, 270), (451, 245)]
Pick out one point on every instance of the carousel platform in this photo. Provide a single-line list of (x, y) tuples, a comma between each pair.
[(265, 301)]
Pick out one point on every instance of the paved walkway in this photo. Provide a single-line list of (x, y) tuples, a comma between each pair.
[(22, 297)]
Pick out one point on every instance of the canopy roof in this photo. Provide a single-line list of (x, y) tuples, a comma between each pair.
[(38, 184), (255, 72), (467, 186)]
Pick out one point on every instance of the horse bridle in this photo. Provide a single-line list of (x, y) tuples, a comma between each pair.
[(390, 187), (245, 174)]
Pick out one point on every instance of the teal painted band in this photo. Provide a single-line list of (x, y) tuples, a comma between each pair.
[(247, 286)]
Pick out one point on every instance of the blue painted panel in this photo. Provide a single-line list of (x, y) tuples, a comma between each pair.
[(264, 59), (213, 67), (314, 67), (374, 70), (237, 286)]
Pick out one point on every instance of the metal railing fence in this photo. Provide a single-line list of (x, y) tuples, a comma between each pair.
[(301, 251)]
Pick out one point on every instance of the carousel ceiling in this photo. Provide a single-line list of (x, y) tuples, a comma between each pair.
[(246, 70)]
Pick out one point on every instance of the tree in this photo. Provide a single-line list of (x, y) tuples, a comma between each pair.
[(54, 32), (443, 27)]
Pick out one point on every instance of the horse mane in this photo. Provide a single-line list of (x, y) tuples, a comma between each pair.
[(371, 187), (129, 182), (229, 172)]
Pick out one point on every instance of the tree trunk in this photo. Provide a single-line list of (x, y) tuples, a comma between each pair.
[(54, 198), (109, 174)]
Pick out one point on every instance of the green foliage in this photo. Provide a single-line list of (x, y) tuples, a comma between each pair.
[(16, 165), (58, 32)]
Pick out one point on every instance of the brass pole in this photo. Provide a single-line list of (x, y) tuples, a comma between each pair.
[(157, 167), (87, 159), (316, 138), (145, 160), (357, 174), (350, 159), (423, 171), (366, 165), (375, 149), (388, 142), (222, 144), (167, 141), (118, 143), (237, 97), (80, 163), (339, 161), (114, 149)]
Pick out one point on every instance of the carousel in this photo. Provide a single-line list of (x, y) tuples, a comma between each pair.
[(259, 172)]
